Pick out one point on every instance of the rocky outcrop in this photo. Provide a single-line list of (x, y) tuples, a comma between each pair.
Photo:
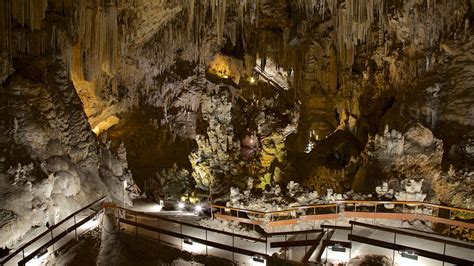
[(454, 188), (214, 161), (415, 154), (52, 163)]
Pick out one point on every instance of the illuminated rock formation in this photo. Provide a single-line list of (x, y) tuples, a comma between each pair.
[(341, 95)]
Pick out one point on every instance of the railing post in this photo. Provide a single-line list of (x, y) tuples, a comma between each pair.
[(23, 253), (266, 245), (350, 250), (449, 226), (206, 243), (233, 255), (75, 229), (158, 224), (136, 227), (393, 252), (444, 251), (118, 222), (52, 237), (305, 247), (375, 211)]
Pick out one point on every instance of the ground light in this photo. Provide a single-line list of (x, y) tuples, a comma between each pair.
[(198, 208), (338, 248), (409, 254), (409, 258), (258, 259), (38, 259), (252, 80), (188, 241), (181, 205), (337, 253), (41, 253)]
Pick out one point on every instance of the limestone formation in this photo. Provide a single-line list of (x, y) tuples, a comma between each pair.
[(185, 98)]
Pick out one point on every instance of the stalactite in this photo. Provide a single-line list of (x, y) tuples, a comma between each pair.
[(190, 18), (353, 24), (242, 14), (221, 20), (5, 26), (29, 12), (111, 54)]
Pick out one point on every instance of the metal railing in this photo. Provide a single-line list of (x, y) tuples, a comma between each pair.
[(271, 79), (210, 241), (396, 210), (184, 235), (417, 244), (48, 238)]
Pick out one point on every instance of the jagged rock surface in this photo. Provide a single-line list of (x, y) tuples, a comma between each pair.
[(341, 70), (52, 163)]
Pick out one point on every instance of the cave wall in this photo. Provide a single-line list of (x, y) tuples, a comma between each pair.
[(72, 70)]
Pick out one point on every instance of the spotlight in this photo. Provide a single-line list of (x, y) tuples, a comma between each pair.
[(181, 205), (258, 259), (338, 248), (409, 254), (198, 208), (252, 80), (41, 253)]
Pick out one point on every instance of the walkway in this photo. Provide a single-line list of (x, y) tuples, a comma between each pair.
[(329, 243), (273, 80), (343, 211)]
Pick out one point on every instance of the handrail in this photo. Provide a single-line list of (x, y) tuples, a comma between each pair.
[(301, 232), (57, 238), (51, 228), (239, 209), (265, 234), (412, 210), (269, 78), (194, 239), (421, 252), (401, 232), (345, 202), (406, 202), (111, 205)]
